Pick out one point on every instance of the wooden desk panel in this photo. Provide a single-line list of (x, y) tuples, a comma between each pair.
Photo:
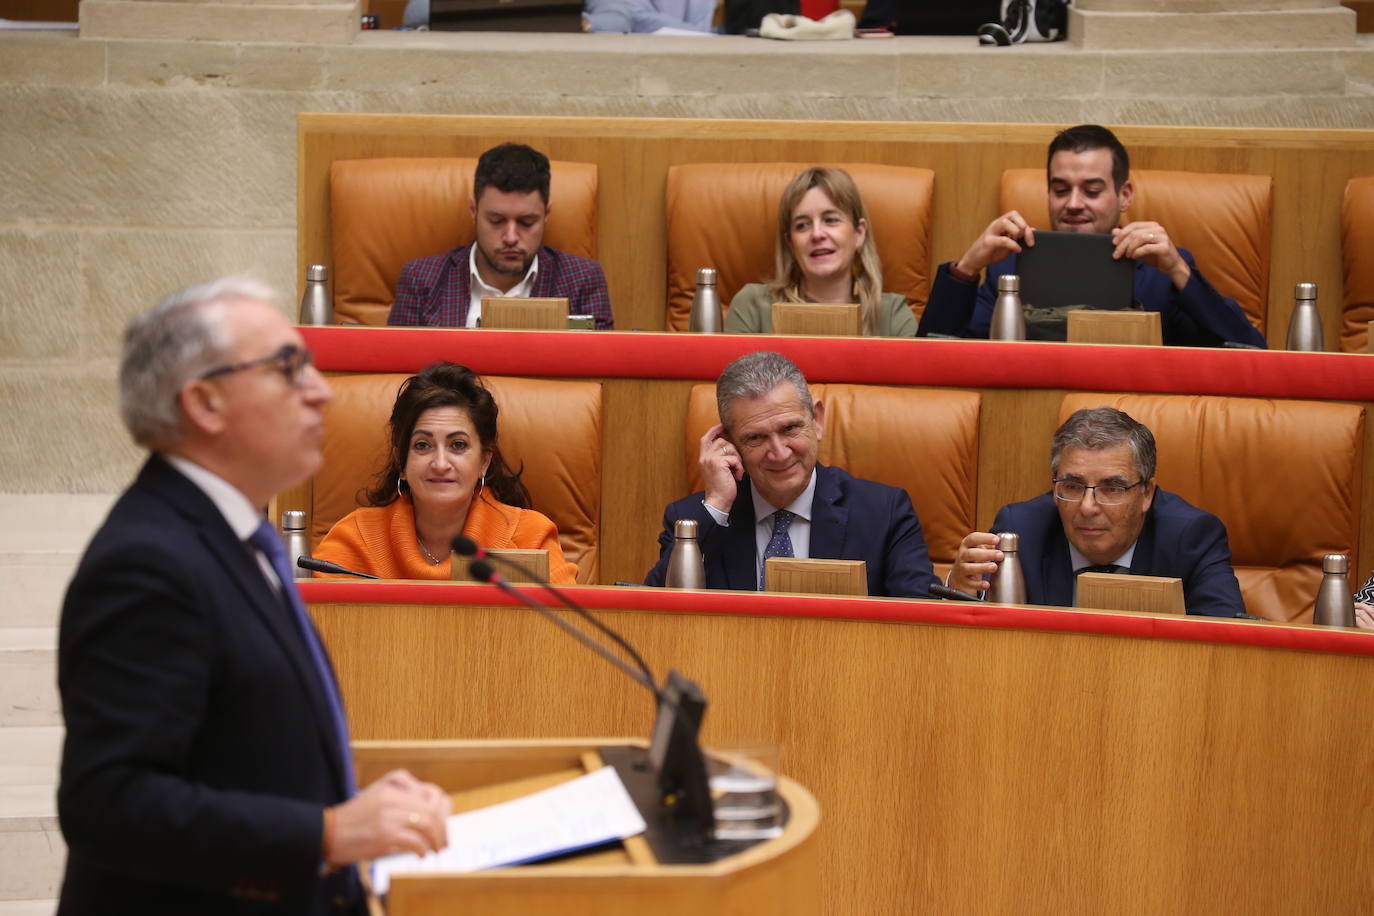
[(961, 768)]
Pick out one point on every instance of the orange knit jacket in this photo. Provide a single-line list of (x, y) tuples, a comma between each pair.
[(381, 541)]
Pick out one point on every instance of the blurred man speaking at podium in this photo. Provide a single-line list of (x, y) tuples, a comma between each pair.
[(766, 495), (207, 766)]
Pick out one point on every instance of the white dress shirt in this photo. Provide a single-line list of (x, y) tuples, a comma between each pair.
[(479, 288), (799, 532), (241, 516)]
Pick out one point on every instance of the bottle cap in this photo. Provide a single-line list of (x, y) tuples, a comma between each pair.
[(317, 272), (1305, 291), (1008, 541), (1009, 283), (685, 528), (293, 520), (706, 276), (1336, 563)]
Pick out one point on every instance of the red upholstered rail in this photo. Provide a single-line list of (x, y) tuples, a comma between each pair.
[(944, 363), (962, 613)]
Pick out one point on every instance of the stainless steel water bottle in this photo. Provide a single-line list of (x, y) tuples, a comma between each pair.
[(1305, 327), (316, 306), (1008, 585), (686, 568), (297, 541), (1335, 605), (1008, 321), (705, 317)]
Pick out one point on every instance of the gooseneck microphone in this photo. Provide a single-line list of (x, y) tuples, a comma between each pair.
[(325, 566), (467, 547), (483, 571), (943, 591), (675, 758)]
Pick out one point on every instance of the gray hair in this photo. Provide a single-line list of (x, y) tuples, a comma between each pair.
[(182, 337), (754, 375), (1104, 427)]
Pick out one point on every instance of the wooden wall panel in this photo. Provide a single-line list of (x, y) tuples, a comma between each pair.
[(1310, 168), (959, 769)]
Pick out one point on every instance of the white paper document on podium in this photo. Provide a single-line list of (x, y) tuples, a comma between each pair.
[(583, 812)]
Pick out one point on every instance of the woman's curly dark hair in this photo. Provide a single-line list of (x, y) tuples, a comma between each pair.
[(446, 385)]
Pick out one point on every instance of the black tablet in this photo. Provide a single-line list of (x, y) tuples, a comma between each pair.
[(1074, 268)]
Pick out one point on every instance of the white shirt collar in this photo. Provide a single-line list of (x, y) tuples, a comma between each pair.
[(481, 288), (1079, 561), (242, 516), (800, 507)]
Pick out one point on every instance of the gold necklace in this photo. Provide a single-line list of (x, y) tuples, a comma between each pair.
[(428, 556)]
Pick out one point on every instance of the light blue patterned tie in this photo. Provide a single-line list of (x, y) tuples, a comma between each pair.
[(780, 544), (269, 542)]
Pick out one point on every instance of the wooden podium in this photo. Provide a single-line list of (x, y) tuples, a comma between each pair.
[(777, 876)]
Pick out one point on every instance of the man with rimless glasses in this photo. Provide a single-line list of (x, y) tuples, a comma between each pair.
[(1105, 513)]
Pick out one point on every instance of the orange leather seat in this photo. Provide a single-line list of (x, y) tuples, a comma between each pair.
[(552, 427), (385, 212), (924, 440), (725, 215), (1357, 248), (1284, 477), (1224, 220)]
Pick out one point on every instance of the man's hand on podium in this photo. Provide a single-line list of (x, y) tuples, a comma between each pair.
[(397, 813)]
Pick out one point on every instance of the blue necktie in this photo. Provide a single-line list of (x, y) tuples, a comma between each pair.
[(265, 539), (780, 544)]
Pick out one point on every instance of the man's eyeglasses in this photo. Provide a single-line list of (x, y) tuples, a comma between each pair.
[(291, 361), (1106, 494)]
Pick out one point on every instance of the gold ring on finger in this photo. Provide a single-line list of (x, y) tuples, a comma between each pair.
[(413, 819)]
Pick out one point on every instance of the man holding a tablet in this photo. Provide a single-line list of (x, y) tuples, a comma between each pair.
[(1090, 188)]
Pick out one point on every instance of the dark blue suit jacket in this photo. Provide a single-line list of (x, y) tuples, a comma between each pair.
[(200, 753), (1195, 316), (851, 519), (1178, 540)]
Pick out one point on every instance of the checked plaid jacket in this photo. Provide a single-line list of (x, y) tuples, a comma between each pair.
[(435, 291)]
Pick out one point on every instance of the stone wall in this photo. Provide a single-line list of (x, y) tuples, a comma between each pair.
[(129, 167)]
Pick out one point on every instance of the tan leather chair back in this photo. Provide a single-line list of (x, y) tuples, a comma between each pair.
[(924, 440), (1284, 477), (385, 212), (1224, 220), (1357, 249), (725, 215), (552, 427)]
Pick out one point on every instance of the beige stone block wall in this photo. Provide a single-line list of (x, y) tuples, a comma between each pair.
[(131, 167), (318, 21)]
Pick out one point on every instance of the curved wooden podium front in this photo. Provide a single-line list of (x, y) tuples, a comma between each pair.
[(969, 757), (776, 877)]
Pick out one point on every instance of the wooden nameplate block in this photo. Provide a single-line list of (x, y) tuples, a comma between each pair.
[(1369, 339), (1113, 327), (816, 577), (1118, 592), (536, 561), (839, 319), (516, 314)]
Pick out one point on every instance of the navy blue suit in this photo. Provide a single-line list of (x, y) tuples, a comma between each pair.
[(851, 519), (1177, 540), (200, 753), (1195, 316)]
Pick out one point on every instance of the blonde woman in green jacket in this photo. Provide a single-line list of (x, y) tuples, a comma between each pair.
[(825, 253)]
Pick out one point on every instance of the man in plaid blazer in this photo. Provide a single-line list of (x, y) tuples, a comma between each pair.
[(510, 208)]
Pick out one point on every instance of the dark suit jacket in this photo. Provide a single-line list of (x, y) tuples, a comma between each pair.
[(1177, 540), (1195, 316), (436, 291), (200, 752), (851, 519)]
